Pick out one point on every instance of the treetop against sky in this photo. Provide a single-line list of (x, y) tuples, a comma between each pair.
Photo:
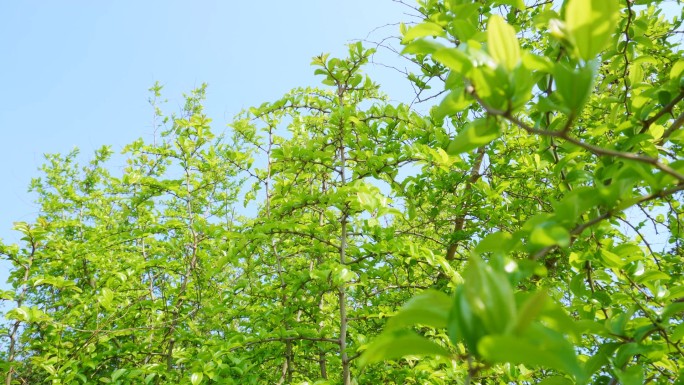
[(77, 74), (499, 227)]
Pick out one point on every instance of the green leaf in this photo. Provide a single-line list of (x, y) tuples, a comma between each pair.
[(118, 373), (590, 24), (455, 101), (502, 43), (342, 275), (6, 295), (430, 308), (520, 4), (600, 359), (664, 97), (672, 309), (611, 259), (196, 378), (539, 347), (423, 30), (537, 63), (634, 375), (550, 234), (465, 29), (464, 325), (399, 344), (478, 133), (530, 311), (678, 333), (573, 86), (636, 75), (493, 86), (521, 82), (455, 59), (677, 70), (497, 243), (626, 351), (556, 380), (19, 314), (574, 204), (490, 296), (106, 298), (421, 47)]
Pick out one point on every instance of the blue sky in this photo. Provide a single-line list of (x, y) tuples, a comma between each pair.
[(76, 73)]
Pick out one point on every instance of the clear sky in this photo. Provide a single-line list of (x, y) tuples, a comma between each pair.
[(76, 73)]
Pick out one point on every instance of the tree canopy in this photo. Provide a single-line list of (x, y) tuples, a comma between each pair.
[(527, 229)]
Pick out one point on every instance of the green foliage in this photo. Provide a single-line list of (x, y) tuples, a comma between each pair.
[(527, 230), (578, 114), (590, 25)]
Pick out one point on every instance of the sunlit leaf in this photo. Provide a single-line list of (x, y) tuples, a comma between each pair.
[(430, 308), (530, 311), (478, 133), (574, 85), (490, 296), (556, 380), (196, 378), (591, 23), (539, 347), (520, 4), (393, 345), (423, 30), (457, 60), (499, 242), (550, 234), (502, 43)]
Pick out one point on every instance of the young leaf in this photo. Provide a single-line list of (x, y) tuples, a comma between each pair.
[(423, 30), (455, 101), (600, 358), (677, 69), (430, 308), (502, 42), (457, 60), (539, 347), (497, 243), (421, 47), (398, 344), (118, 373), (550, 234), (590, 23), (520, 4), (196, 378), (672, 309), (464, 325), (634, 375), (574, 86), (556, 380), (478, 133), (490, 295), (530, 311)]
